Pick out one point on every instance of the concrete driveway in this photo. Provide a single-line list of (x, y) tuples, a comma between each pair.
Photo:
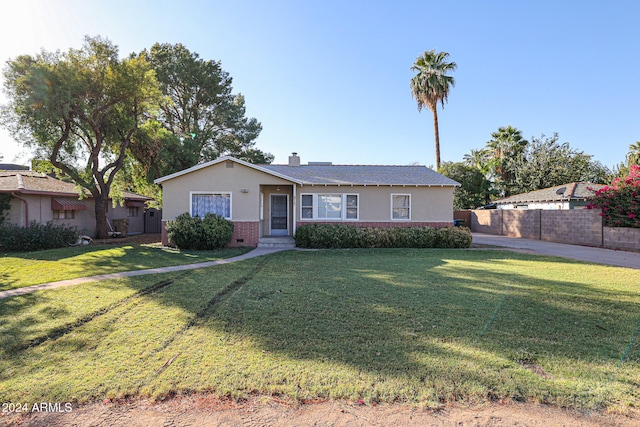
[(582, 253)]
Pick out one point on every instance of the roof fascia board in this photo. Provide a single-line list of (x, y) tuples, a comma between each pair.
[(220, 160), (355, 184)]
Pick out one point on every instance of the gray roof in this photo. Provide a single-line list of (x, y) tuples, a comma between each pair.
[(361, 175), (31, 182), (565, 192), (328, 174)]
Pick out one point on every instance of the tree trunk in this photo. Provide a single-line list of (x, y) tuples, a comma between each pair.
[(101, 216), (437, 136)]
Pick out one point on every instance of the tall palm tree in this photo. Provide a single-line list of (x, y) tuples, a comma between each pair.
[(633, 156), (431, 85)]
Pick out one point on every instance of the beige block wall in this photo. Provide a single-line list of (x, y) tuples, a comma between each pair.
[(576, 226), (428, 204), (218, 177), (622, 238)]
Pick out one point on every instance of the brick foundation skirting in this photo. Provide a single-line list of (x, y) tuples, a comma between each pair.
[(382, 224), (245, 233)]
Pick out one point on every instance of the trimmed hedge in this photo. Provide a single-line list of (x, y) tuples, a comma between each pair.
[(210, 232), (337, 236), (36, 237)]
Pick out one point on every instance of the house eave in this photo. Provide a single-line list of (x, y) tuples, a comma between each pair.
[(223, 159)]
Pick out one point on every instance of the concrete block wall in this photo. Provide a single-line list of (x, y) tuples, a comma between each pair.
[(621, 238), (576, 227), (521, 223), (487, 221)]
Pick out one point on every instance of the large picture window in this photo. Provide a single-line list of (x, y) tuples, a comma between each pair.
[(211, 203), (401, 206), (329, 206)]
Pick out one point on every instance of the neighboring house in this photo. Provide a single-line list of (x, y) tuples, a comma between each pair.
[(41, 198), (273, 200), (574, 195)]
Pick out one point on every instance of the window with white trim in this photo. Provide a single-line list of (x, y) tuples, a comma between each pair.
[(307, 206), (63, 214), (329, 206), (211, 203), (401, 206)]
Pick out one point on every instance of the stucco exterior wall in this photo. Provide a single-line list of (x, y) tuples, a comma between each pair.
[(39, 210), (136, 223), (219, 178), (428, 204)]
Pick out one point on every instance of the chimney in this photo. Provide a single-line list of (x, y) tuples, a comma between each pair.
[(294, 160)]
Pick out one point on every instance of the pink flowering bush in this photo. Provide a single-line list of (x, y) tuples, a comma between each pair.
[(620, 201)]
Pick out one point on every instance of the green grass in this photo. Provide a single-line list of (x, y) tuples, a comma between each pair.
[(417, 326), (32, 268)]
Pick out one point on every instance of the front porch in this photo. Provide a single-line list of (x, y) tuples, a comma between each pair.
[(276, 242), (277, 212)]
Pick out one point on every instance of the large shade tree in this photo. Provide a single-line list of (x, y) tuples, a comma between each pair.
[(200, 118), (431, 85), (546, 163), (475, 188), (80, 110)]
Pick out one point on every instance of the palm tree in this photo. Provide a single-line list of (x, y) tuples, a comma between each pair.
[(633, 156), (505, 146), (478, 159), (431, 85)]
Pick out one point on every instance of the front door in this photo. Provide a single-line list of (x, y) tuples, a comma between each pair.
[(279, 215)]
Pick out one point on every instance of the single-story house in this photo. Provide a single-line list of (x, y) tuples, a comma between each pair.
[(39, 197), (273, 200), (575, 195)]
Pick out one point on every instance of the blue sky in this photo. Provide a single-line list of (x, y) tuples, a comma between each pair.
[(330, 79)]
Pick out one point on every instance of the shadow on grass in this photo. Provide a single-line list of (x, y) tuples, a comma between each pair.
[(59, 264), (447, 324)]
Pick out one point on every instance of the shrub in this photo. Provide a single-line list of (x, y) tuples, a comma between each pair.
[(210, 232), (336, 236), (620, 201), (14, 238), (5, 205)]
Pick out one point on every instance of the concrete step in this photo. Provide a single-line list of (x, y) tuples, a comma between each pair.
[(277, 242)]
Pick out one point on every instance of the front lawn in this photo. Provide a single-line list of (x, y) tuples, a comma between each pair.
[(32, 268), (417, 326)]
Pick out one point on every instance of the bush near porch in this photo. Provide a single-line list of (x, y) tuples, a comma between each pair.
[(210, 232)]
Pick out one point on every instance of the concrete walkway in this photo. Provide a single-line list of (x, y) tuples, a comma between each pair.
[(70, 282), (582, 253)]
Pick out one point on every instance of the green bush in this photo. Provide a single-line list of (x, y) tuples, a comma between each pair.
[(14, 238), (210, 232), (336, 236)]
